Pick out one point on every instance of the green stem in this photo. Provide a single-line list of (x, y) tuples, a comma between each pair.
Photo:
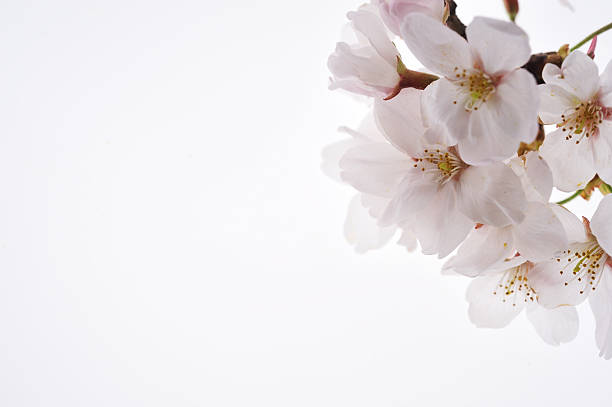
[(590, 36), (569, 198)]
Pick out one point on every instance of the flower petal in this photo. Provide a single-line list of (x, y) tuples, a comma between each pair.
[(484, 248), (605, 83), (437, 47), (602, 151), (601, 305), (369, 24), (437, 108), (376, 168), (555, 101), (500, 46), (601, 223), (555, 326), (574, 228), (489, 307), (502, 122), (572, 164), (400, 121), (578, 75), (491, 195), (541, 234), (362, 231)]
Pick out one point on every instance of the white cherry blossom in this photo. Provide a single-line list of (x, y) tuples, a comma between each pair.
[(361, 227), (488, 103), (393, 12), (369, 66), (538, 237), (431, 189), (579, 102), (499, 296)]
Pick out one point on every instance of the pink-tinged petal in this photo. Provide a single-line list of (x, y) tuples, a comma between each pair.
[(393, 12), (411, 196), (499, 46), (439, 227), (535, 176), (578, 75), (484, 248), (361, 71), (437, 108), (491, 195), (502, 122), (555, 326), (407, 239), (601, 223), (555, 101), (572, 164), (362, 231), (605, 83), (602, 151), (541, 234), (332, 154), (570, 277), (400, 121), (369, 24), (490, 307), (437, 47), (376, 168), (574, 228), (601, 305)]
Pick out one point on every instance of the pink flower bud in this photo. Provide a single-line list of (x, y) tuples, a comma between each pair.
[(394, 11), (512, 7)]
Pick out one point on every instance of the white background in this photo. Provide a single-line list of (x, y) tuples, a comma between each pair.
[(168, 239)]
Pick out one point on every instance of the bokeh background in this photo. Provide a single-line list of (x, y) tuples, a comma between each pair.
[(167, 237)]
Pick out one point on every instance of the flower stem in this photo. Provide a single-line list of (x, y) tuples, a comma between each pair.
[(569, 198), (590, 36)]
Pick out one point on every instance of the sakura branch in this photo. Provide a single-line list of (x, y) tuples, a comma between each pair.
[(461, 158)]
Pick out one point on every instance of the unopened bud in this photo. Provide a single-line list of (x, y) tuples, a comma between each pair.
[(591, 51), (512, 7)]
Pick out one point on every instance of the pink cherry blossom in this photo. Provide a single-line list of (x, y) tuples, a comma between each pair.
[(486, 101), (393, 12), (579, 102)]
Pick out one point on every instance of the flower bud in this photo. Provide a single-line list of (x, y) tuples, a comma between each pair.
[(394, 11), (512, 7)]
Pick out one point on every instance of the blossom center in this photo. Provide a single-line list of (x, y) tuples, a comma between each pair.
[(475, 86), (513, 286), (582, 264), (581, 121), (439, 163)]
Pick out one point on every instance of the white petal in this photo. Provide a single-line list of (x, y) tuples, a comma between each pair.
[(555, 101), (541, 234), (411, 196), (439, 227), (375, 168), (605, 83), (601, 305), (490, 307), (491, 195), (400, 121), (362, 231), (502, 122), (602, 151), (555, 326), (437, 108), (483, 249), (566, 279), (407, 239), (500, 46), (371, 26), (574, 228), (535, 176), (572, 164), (578, 75), (601, 223), (437, 47)]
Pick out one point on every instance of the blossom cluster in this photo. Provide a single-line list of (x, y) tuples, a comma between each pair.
[(457, 158)]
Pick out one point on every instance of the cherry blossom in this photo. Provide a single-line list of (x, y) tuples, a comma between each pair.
[(499, 296), (368, 67), (488, 104), (361, 227), (577, 100), (393, 12), (434, 190), (538, 237)]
